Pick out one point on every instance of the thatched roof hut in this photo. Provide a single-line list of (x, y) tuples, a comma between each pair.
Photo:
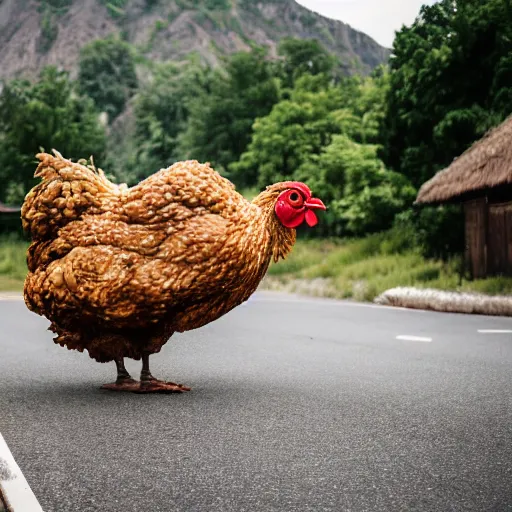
[(485, 165), (481, 180)]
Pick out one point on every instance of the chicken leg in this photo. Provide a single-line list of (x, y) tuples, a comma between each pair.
[(124, 381), (147, 384)]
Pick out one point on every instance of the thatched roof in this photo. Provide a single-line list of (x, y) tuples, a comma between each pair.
[(9, 209), (486, 164)]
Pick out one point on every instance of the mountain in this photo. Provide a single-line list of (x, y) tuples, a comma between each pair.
[(34, 33)]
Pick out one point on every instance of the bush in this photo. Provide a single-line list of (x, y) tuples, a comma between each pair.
[(437, 231)]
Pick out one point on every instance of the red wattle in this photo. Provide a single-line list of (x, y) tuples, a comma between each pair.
[(311, 218), (294, 222)]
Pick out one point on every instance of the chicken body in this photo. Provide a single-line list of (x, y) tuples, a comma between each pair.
[(118, 270)]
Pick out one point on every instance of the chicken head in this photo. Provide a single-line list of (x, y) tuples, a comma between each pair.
[(296, 205)]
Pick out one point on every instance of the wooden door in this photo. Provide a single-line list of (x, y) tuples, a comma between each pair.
[(476, 242), (499, 239)]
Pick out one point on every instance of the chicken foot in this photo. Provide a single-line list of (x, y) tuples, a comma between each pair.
[(147, 384)]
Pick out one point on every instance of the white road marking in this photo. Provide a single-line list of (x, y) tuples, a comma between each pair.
[(13, 486), (405, 337), (495, 331)]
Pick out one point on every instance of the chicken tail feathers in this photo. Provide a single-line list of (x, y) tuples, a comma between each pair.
[(66, 192)]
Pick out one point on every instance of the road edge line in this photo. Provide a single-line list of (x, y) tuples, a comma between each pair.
[(306, 299), (16, 492), (11, 296)]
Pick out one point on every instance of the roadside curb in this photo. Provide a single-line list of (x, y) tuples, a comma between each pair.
[(429, 299), (14, 489)]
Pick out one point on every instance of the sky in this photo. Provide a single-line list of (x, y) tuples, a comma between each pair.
[(377, 18)]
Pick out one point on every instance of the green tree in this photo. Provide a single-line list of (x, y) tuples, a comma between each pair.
[(300, 127), (221, 117), (161, 111), (371, 195), (295, 129), (325, 134), (107, 74), (363, 196), (370, 104), (304, 56), (449, 83), (47, 114)]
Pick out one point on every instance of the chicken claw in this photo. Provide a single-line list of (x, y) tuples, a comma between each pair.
[(154, 386), (147, 384), (125, 385), (160, 386)]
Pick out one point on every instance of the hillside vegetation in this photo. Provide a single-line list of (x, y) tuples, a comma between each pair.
[(54, 31)]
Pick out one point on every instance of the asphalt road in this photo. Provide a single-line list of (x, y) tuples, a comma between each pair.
[(297, 405)]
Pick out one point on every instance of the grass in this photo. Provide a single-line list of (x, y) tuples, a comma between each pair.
[(363, 269), (13, 267)]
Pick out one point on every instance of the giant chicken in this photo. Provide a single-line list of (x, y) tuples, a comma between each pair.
[(118, 270)]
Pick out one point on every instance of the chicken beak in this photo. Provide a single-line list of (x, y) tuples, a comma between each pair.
[(315, 204)]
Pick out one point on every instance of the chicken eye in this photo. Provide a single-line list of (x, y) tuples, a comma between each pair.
[(295, 199)]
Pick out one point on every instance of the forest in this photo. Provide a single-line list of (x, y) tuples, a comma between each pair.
[(364, 144)]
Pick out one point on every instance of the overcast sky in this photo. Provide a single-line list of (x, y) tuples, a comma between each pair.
[(377, 18)]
